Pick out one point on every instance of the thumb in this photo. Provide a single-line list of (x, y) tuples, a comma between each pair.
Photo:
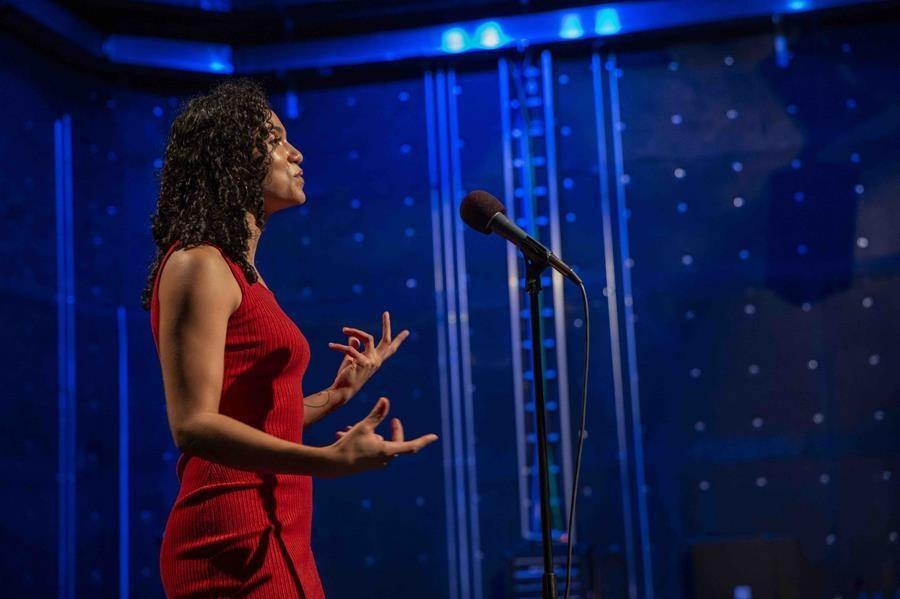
[(378, 413)]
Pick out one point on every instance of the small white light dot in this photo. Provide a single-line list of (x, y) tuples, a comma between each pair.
[(563, 79), (749, 309), (812, 364), (738, 202), (737, 166), (879, 415), (830, 539), (625, 178), (699, 426), (687, 259), (868, 302), (411, 283), (729, 60), (874, 360), (753, 369), (859, 188), (732, 114), (818, 418), (704, 485), (761, 481), (676, 119), (862, 242), (695, 373), (629, 262), (806, 306), (744, 254), (679, 173), (824, 478), (578, 323), (757, 422), (886, 475), (893, 536), (682, 207)]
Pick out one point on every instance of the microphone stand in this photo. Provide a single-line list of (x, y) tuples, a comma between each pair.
[(533, 288)]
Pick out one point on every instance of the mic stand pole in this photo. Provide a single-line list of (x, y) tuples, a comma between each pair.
[(533, 288)]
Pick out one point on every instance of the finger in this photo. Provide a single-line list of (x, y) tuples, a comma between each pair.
[(353, 341), (397, 429), (351, 351), (379, 437), (362, 336), (410, 446), (396, 343), (377, 414), (386, 328), (340, 434)]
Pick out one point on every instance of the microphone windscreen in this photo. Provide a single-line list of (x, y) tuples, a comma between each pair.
[(478, 208)]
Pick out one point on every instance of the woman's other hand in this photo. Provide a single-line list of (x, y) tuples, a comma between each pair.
[(359, 448), (362, 357)]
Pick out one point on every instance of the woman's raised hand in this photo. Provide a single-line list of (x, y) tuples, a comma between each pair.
[(360, 448)]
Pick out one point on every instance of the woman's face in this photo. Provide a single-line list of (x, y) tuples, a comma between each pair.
[(283, 186)]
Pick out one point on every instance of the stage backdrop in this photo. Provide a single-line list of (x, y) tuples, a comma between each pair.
[(731, 200)]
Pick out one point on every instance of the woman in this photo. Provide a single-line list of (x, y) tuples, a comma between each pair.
[(233, 362)]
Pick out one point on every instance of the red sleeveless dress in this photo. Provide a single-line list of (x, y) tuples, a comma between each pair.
[(234, 532)]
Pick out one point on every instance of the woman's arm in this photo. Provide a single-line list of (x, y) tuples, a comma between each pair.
[(318, 405), (197, 295)]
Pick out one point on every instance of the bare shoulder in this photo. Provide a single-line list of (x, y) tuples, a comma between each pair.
[(199, 276)]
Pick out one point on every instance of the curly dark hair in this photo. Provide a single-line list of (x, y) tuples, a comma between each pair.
[(216, 159)]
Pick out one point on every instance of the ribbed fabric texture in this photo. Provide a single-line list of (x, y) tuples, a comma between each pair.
[(234, 532)]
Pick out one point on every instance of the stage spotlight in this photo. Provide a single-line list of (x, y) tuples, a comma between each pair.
[(607, 22), (571, 27)]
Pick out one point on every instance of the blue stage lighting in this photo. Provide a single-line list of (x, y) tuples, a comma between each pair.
[(798, 5), (607, 22), (490, 35), (455, 40), (571, 27)]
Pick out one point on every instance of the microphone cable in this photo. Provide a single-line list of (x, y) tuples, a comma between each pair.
[(587, 348)]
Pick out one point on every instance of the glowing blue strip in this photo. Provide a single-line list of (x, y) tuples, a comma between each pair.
[(124, 510), (512, 283), (452, 335), (65, 286), (466, 364), (630, 340), (169, 54), (614, 342), (601, 20), (559, 302), (440, 311)]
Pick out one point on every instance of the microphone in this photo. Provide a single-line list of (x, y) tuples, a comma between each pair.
[(486, 214)]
